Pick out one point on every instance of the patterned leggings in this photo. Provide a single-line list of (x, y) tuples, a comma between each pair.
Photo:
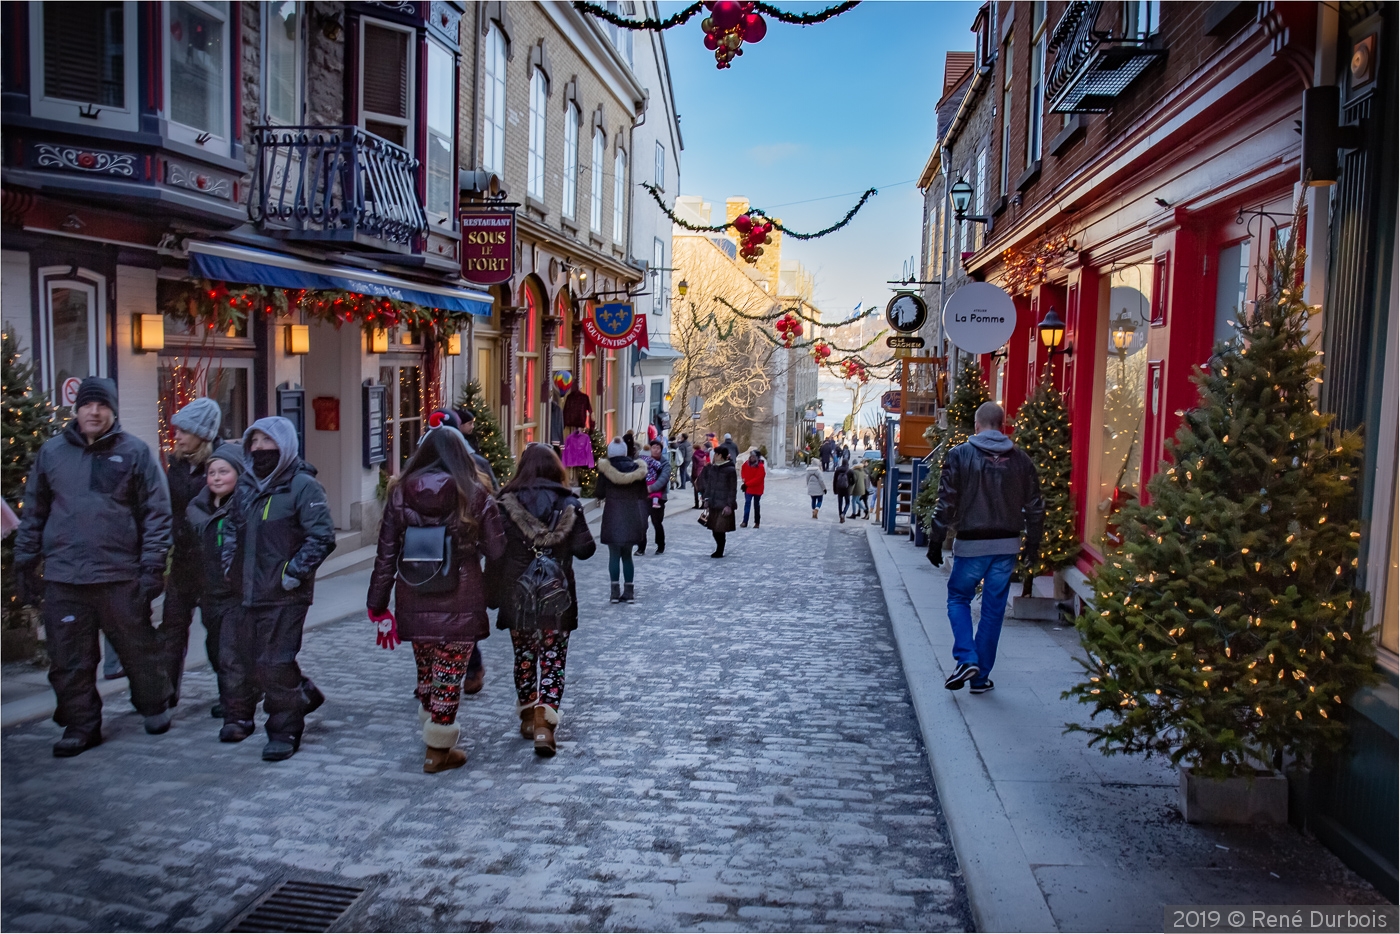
[(547, 649), (441, 666)]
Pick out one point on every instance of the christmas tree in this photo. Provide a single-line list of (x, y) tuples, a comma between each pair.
[(29, 420), (489, 441), (1042, 431), (1228, 627), (969, 392)]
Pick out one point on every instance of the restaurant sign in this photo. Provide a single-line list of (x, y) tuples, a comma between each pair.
[(488, 246)]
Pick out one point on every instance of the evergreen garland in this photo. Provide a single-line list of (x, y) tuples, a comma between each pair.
[(682, 17), (1042, 431), (1229, 626), (660, 199), (29, 420), (490, 443)]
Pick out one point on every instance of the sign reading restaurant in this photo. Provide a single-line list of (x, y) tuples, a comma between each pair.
[(488, 246)]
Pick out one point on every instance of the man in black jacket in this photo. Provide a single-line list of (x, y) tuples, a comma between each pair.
[(989, 492), (826, 450), (97, 513)]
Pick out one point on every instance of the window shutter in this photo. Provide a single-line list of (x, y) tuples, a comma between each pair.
[(83, 53), (385, 67)]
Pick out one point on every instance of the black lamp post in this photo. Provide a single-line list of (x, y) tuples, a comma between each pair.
[(1052, 333), (961, 194)]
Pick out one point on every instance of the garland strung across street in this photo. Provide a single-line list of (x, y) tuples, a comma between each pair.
[(730, 24)]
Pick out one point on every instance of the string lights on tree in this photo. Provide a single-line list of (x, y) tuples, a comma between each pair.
[(1025, 269)]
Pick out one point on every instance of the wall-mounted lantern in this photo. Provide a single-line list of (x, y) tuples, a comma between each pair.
[(379, 341), (1052, 333), (298, 339), (454, 345), (148, 333)]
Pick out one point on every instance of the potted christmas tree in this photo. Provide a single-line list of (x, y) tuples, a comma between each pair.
[(1228, 627), (1042, 431)]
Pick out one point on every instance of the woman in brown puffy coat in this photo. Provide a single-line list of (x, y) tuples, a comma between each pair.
[(439, 486)]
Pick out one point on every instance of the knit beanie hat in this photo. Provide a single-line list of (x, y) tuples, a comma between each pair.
[(232, 454), (616, 448), (201, 417), (96, 389)]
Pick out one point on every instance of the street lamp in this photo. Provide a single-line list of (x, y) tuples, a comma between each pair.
[(1052, 333), (961, 195), (1122, 330), (682, 287)]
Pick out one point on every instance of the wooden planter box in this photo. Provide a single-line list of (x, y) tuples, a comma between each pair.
[(1262, 799)]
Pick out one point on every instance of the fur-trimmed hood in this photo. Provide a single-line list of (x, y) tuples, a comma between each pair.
[(623, 470), (538, 533)]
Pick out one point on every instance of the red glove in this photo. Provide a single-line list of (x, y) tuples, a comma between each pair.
[(388, 635)]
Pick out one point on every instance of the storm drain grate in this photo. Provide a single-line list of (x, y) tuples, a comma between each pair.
[(299, 906)]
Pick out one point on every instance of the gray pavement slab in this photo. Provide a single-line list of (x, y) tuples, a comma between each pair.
[(1052, 835), (738, 752)]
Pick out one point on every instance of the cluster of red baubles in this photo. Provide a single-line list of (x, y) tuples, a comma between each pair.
[(753, 234), (729, 25), (789, 328), (821, 352), (854, 369)]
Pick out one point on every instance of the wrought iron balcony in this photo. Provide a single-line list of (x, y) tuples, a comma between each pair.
[(336, 183), (1092, 68)]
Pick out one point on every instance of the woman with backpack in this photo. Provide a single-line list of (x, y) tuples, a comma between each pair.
[(622, 486), (841, 486), (439, 522), (545, 531)]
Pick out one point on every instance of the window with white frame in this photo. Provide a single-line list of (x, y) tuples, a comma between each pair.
[(196, 73), (660, 171), (1141, 18), (619, 196), (660, 285), (1007, 51), (441, 161), (282, 61), (595, 206), (83, 62), (535, 178), (1035, 109), (572, 119), (493, 143), (981, 186), (622, 38), (386, 81), (72, 325)]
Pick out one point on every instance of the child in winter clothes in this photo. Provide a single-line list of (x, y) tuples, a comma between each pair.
[(280, 534), (816, 488), (208, 516), (658, 480)]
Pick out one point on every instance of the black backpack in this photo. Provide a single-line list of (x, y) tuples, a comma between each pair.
[(426, 560), (541, 597)]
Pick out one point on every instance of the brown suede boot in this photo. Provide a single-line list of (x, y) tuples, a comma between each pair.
[(442, 754), (546, 719), (527, 721)]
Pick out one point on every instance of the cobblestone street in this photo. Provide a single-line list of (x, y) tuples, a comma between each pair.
[(737, 752)]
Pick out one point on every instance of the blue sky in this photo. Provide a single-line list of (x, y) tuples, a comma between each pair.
[(820, 111)]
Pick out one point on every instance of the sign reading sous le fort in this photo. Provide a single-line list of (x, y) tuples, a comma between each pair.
[(488, 246)]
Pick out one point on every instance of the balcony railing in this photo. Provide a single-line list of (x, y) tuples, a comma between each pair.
[(336, 183), (1092, 68)]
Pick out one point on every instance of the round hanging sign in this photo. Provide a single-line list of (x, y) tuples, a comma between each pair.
[(979, 318), (906, 312)]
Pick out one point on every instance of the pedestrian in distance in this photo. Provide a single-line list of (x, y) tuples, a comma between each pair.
[(841, 486), (752, 475), (989, 493), (658, 480), (827, 448), (280, 534), (437, 509), (699, 460), (860, 491), (545, 533), (816, 488), (97, 514), (731, 449), (208, 516), (721, 498), (629, 440), (686, 449), (195, 429), (622, 486)]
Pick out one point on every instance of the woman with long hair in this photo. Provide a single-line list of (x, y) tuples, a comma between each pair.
[(542, 517), (441, 605)]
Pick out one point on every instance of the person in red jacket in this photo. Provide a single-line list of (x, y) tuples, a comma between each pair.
[(753, 473)]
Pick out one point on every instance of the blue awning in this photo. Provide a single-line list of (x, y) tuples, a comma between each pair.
[(259, 267)]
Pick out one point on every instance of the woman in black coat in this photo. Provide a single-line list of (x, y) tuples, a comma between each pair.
[(622, 486), (539, 512), (721, 494)]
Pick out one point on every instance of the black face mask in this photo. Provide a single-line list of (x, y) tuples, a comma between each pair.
[(265, 462)]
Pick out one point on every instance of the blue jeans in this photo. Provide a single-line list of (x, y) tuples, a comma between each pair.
[(816, 502), (994, 571), (754, 500)]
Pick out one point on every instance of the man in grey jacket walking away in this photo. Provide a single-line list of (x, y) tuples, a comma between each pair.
[(989, 492), (97, 514)]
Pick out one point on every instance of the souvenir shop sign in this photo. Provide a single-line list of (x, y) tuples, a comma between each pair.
[(614, 325), (488, 246), (979, 318)]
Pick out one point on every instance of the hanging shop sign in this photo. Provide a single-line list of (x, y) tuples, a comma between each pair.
[(903, 341), (906, 312), (890, 401), (979, 318), (488, 246), (613, 326)]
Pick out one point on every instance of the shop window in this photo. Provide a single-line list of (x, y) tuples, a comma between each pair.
[(73, 326), (1390, 617), (83, 63), (442, 161), (572, 119), (226, 381), (528, 369), (282, 29), (197, 87), (656, 403), (386, 81), (1231, 289), (1124, 401), (404, 410), (493, 155)]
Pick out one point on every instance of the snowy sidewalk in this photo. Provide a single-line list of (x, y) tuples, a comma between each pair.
[(1051, 834)]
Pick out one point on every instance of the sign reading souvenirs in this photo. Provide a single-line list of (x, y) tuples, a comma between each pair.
[(906, 313), (488, 246), (613, 326), (904, 341), (979, 318)]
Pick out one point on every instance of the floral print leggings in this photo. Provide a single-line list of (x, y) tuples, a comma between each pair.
[(441, 666), (547, 649)]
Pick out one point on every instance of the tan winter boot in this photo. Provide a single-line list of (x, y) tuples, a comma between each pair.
[(442, 754), (527, 720), (546, 719)]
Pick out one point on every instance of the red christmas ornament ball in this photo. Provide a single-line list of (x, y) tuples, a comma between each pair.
[(754, 27), (726, 14), (743, 223), (711, 42)]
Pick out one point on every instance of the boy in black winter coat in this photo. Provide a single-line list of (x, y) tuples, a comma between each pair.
[(209, 519), (282, 531)]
